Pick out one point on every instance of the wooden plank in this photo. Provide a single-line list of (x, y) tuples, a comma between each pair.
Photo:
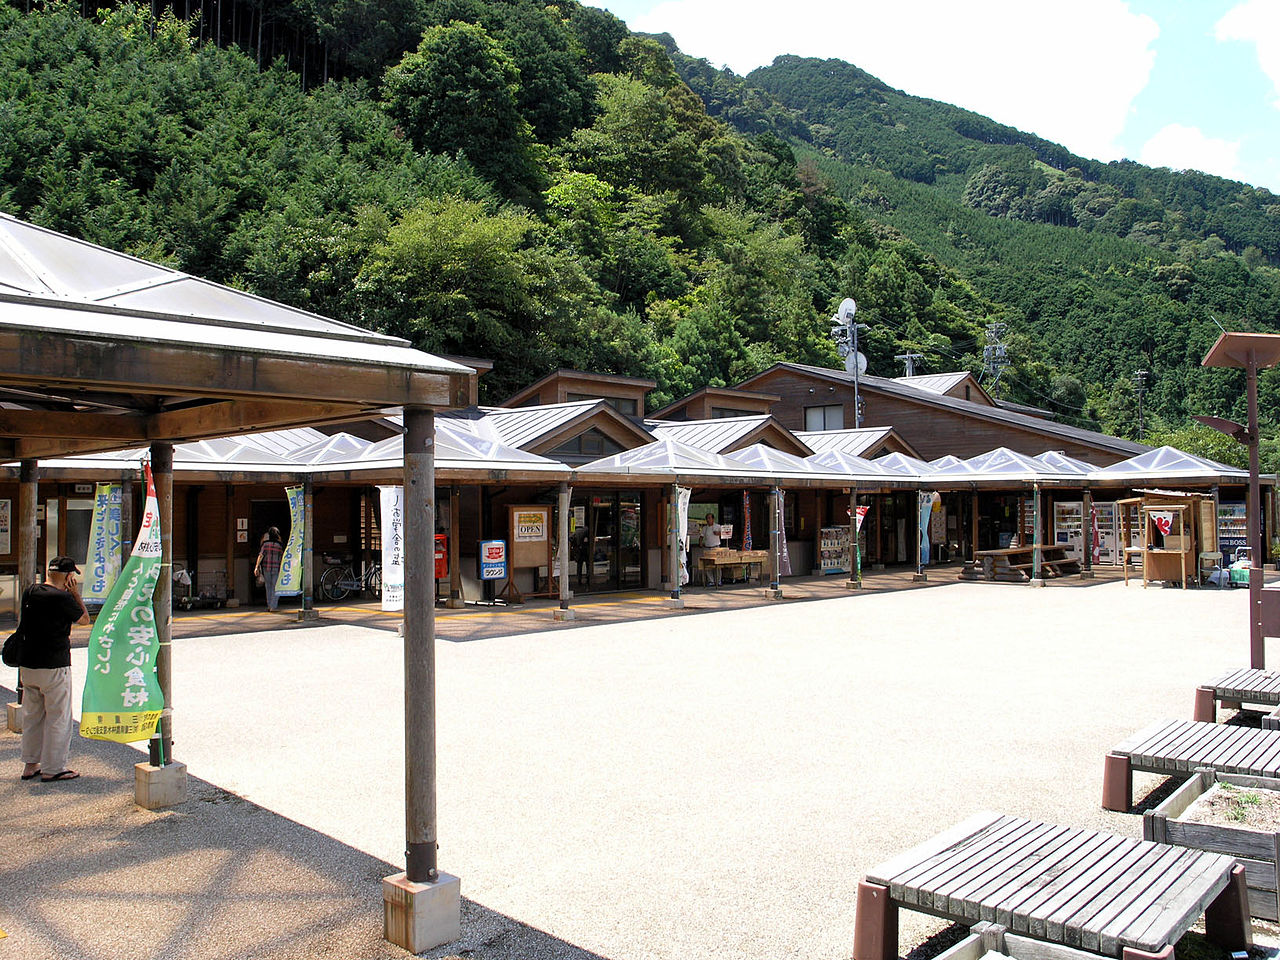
[(1175, 805), (1104, 931), (1161, 753), (1229, 841), (1056, 918), (907, 885), (970, 948), (1013, 873), (1116, 891), (943, 842), (1026, 948), (1094, 863), (1087, 849), (1170, 915), (1128, 746), (1215, 752), (1199, 742), (996, 854)]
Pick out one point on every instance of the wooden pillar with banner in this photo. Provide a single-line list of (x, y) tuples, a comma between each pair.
[(1086, 506), (308, 609), (776, 520), (28, 498), (564, 498), (855, 543), (456, 599)]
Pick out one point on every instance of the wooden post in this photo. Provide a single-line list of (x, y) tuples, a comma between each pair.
[(229, 558), (1257, 651), (855, 552), (775, 543), (673, 545), (162, 600), (566, 494), (456, 599), (419, 645), (1035, 535), (818, 497), (973, 523), (308, 611), (28, 497)]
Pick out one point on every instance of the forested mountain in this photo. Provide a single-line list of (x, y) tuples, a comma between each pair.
[(534, 184)]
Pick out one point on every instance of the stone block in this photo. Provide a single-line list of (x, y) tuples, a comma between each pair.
[(157, 787), (419, 916)]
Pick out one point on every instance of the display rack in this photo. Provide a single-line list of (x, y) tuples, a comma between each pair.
[(834, 549)]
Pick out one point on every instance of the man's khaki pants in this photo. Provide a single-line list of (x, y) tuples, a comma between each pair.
[(46, 718)]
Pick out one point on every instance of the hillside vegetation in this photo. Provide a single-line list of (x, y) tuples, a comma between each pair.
[(534, 184)]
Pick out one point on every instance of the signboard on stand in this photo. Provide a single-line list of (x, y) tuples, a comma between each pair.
[(493, 559), (531, 546)]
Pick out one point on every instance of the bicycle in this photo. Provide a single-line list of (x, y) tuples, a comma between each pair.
[(341, 580)]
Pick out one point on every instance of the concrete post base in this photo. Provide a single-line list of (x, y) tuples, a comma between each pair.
[(455, 603), (419, 916), (1086, 574), (157, 787), (312, 614), (919, 578), (14, 710), (853, 584), (559, 614), (1037, 582), (773, 594), (673, 603), (877, 566)]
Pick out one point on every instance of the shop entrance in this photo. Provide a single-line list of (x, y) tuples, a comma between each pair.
[(605, 542)]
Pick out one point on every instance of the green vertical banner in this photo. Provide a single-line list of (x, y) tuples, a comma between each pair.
[(289, 579), (102, 564), (122, 697)]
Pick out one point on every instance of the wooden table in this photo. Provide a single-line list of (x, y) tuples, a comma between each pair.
[(1015, 564), (1059, 889), (744, 560)]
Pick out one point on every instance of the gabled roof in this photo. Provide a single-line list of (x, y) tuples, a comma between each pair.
[(1046, 428), (725, 434), (1060, 462), (1170, 462), (726, 393), (636, 383), (860, 441), (759, 456), (531, 427), (944, 383), (459, 447), (913, 466), (854, 467), (667, 457)]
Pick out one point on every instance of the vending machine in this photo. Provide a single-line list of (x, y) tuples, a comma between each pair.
[(1068, 528), (1107, 520), (1233, 529)]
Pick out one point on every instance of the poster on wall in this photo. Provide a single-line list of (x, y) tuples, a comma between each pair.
[(102, 565), (530, 526), (6, 526), (392, 547)]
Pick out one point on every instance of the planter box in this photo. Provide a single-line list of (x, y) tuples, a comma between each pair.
[(1258, 851)]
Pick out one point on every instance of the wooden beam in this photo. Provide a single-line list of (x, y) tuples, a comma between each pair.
[(237, 416), (66, 364), (72, 425)]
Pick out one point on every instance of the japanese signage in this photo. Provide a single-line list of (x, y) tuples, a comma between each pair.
[(289, 579), (102, 565), (862, 515), (392, 499), (122, 699), (6, 525), (531, 526), (493, 559)]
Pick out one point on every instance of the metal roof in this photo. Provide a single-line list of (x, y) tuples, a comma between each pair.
[(854, 467), (717, 435), (855, 441), (911, 466), (1169, 462), (935, 382), (526, 426), (668, 456), (763, 457)]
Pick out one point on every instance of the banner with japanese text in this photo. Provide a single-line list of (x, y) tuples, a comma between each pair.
[(392, 548), (102, 565), (289, 579), (683, 495), (122, 699)]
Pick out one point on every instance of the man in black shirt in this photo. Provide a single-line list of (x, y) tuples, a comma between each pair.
[(49, 610)]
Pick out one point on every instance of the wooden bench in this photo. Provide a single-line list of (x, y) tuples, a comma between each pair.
[(1058, 890), (1234, 688), (1015, 564), (1173, 747)]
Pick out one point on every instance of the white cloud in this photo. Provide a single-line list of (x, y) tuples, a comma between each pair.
[(1069, 74), (1187, 148), (1256, 22)]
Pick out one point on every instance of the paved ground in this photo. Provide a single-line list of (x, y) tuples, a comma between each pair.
[(702, 785)]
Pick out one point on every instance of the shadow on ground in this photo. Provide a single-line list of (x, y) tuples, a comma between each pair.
[(88, 875)]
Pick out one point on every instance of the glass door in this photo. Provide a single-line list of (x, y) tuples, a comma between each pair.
[(629, 541), (602, 521)]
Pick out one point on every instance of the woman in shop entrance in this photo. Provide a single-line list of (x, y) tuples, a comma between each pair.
[(711, 533), (270, 551)]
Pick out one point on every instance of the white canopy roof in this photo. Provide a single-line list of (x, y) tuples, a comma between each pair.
[(1170, 462)]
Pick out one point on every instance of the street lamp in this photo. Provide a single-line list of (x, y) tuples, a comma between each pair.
[(845, 333), (1251, 352)]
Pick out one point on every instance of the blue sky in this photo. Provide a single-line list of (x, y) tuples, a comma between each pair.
[(1187, 84)]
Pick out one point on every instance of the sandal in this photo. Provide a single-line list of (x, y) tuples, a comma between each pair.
[(64, 775), (31, 776)]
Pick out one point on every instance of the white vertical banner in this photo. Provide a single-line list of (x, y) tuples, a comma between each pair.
[(103, 560), (682, 530), (392, 547), (784, 555)]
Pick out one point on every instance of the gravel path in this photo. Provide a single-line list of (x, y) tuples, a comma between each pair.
[(694, 787)]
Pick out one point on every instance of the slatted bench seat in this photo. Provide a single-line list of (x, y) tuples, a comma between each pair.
[(1172, 747), (1066, 889), (1234, 688)]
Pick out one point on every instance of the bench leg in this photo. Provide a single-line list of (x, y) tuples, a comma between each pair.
[(1226, 922), (1132, 953), (875, 925), (1117, 783), (1206, 709)]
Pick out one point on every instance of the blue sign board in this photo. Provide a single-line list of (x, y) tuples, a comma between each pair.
[(493, 559)]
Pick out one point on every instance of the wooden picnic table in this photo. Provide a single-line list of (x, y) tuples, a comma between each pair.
[(1061, 889), (1017, 563), (744, 560)]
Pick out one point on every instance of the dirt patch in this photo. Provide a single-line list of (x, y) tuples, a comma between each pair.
[(1227, 805)]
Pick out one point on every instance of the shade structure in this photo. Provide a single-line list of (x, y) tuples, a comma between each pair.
[(913, 466), (719, 435), (764, 457), (854, 441), (669, 457), (1170, 463), (857, 468)]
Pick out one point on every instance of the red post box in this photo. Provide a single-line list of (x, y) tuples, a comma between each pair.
[(442, 556)]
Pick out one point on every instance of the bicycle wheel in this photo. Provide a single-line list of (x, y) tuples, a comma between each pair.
[(375, 583), (332, 585)]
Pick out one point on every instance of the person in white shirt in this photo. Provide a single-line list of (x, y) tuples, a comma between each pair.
[(711, 533)]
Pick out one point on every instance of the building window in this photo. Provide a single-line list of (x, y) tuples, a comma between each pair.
[(624, 405), (720, 413), (830, 417), (591, 445)]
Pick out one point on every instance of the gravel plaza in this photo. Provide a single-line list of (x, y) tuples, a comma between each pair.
[(711, 784)]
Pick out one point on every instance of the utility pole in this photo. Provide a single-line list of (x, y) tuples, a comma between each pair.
[(995, 356), (845, 333), (909, 362), (1140, 381)]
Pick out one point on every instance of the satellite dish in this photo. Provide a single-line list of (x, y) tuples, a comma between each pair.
[(847, 309), (856, 360)]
